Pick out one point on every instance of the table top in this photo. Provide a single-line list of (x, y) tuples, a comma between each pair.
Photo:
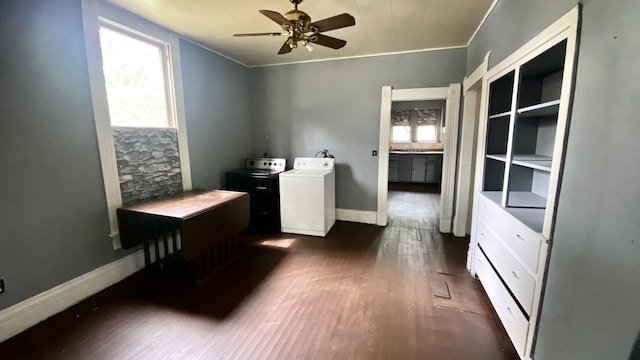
[(185, 205)]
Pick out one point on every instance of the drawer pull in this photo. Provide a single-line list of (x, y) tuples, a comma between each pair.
[(519, 237), (515, 275), (509, 310)]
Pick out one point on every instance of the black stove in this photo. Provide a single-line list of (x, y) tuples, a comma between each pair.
[(260, 178)]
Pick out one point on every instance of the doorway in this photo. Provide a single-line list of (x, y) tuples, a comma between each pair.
[(451, 96)]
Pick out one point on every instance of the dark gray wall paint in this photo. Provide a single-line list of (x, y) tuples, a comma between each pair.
[(53, 212), (590, 308), (216, 94), (335, 105), (510, 25)]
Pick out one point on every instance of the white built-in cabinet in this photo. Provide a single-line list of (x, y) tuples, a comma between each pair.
[(523, 127)]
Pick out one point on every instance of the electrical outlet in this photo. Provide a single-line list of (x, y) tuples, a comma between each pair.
[(2, 288)]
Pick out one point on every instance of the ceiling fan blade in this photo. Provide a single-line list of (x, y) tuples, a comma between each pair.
[(261, 34), (334, 22), (329, 41), (275, 16), (285, 48)]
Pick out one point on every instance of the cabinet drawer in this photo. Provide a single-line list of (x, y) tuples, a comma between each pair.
[(514, 322), (520, 282), (524, 242)]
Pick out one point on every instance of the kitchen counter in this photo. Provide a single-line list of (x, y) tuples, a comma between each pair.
[(425, 152)]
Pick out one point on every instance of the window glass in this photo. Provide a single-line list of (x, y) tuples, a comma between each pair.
[(135, 80), (427, 133), (401, 133)]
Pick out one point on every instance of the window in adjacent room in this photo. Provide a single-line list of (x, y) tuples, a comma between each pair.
[(427, 125), (401, 130), (416, 125)]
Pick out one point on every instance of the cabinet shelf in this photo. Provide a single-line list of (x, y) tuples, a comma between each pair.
[(525, 199), (533, 161), (504, 114), (499, 157), (544, 109), (538, 162), (531, 217)]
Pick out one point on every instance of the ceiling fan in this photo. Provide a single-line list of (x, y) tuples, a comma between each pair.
[(298, 27)]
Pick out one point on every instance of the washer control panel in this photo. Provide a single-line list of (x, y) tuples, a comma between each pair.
[(314, 163)]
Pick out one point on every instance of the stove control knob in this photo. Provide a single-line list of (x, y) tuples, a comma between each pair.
[(252, 162), (265, 163)]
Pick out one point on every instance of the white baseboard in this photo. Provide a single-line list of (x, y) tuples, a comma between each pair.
[(21, 316), (359, 216), (445, 225)]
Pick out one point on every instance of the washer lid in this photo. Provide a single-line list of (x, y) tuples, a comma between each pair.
[(314, 163), (306, 172)]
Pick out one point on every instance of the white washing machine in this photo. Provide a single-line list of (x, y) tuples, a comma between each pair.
[(308, 197)]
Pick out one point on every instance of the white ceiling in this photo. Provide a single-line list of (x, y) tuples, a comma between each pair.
[(382, 26)]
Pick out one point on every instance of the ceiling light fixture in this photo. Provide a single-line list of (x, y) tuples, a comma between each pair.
[(297, 25), (308, 46)]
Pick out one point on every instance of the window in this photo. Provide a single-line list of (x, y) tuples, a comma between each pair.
[(135, 72), (401, 133), (416, 125), (427, 133), (136, 82), (427, 124)]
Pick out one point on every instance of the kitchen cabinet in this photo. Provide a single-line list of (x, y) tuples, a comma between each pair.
[(434, 169), (415, 167), (393, 167), (418, 168), (520, 153), (404, 168)]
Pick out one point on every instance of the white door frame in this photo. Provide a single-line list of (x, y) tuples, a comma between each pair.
[(452, 117), (472, 91)]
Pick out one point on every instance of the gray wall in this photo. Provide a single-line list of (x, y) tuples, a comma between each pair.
[(590, 308), (510, 25), (335, 105), (53, 212), (216, 95)]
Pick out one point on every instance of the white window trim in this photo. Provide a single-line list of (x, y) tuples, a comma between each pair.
[(92, 12)]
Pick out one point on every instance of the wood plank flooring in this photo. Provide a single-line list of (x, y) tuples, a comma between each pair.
[(363, 292)]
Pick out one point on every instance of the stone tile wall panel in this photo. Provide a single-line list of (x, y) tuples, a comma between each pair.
[(148, 162)]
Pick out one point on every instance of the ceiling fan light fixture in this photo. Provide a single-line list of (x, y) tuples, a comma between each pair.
[(308, 46), (299, 27)]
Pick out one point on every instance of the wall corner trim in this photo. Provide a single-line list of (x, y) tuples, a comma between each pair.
[(486, 15), (19, 317), (358, 216)]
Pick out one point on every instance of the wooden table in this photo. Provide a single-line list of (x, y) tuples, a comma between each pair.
[(197, 226)]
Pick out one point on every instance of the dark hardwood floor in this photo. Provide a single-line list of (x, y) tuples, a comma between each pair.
[(363, 292)]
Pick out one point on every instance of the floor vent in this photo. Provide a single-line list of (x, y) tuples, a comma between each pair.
[(440, 288)]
